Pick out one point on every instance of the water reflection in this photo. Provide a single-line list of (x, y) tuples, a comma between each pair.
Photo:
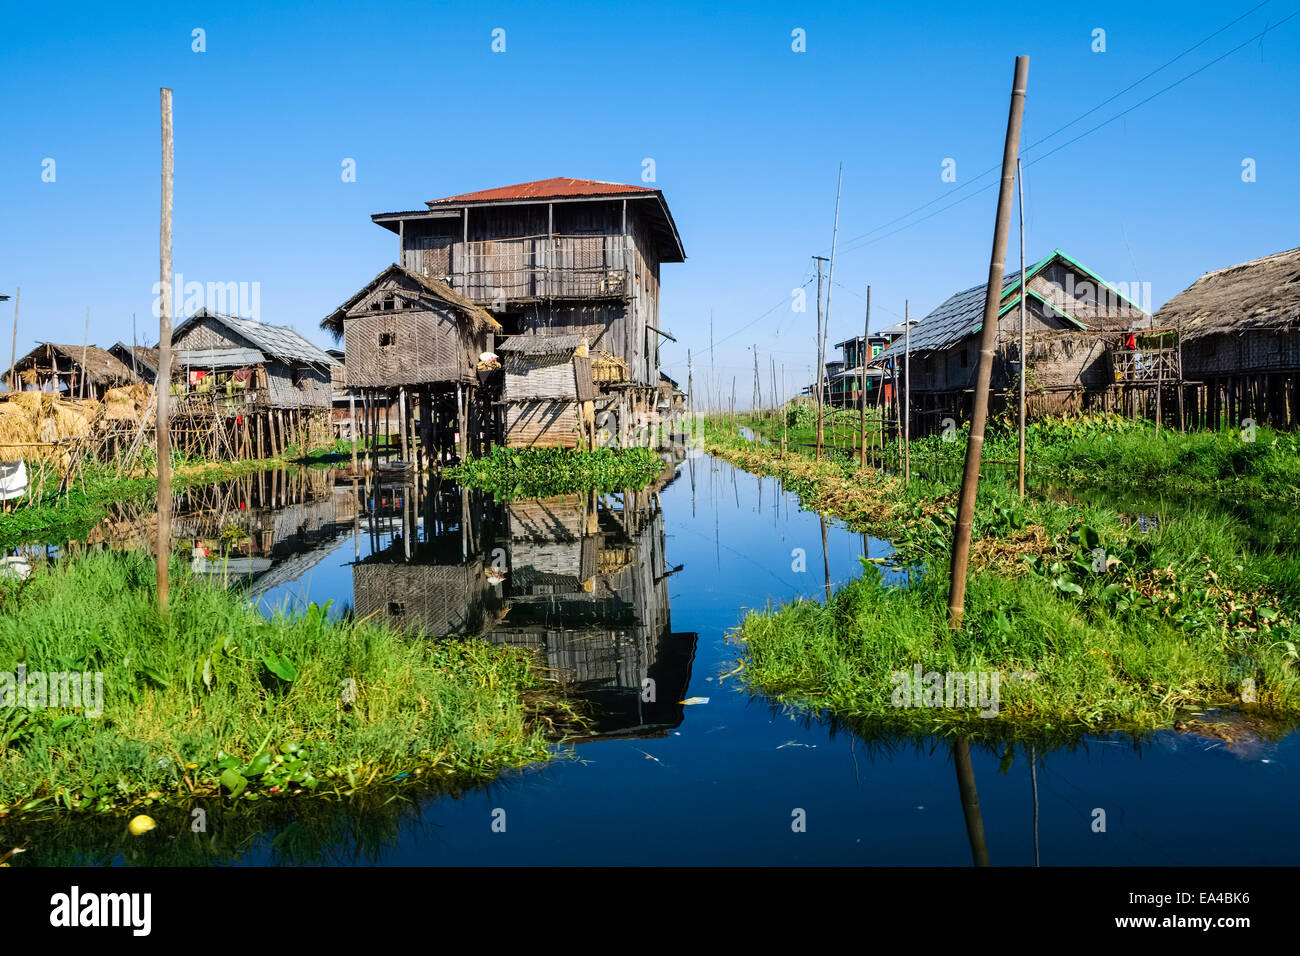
[(582, 580)]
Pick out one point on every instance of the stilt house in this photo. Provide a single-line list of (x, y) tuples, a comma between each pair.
[(569, 258), (76, 370), (1077, 338)]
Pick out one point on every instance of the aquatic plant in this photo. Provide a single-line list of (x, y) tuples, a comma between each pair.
[(542, 472)]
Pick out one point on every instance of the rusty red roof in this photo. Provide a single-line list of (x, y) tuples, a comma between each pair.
[(555, 188)]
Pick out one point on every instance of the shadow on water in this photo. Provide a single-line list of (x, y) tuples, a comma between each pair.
[(628, 601)]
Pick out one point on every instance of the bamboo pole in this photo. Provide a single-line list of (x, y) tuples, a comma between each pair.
[(825, 324), (85, 337), (165, 359), (862, 383), (988, 339), (907, 391), (1020, 471), (13, 355)]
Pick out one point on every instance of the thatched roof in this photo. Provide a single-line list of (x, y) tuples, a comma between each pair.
[(476, 316), (101, 367), (1259, 294)]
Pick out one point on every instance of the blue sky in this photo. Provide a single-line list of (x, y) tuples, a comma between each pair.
[(746, 135)]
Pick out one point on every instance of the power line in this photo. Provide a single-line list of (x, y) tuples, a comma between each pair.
[(849, 244)]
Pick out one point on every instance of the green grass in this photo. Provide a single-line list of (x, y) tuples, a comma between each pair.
[(216, 700), (542, 472), (1173, 617)]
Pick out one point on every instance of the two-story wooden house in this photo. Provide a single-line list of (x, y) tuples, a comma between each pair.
[(572, 259)]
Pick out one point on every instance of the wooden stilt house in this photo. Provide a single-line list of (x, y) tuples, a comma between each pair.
[(1079, 329), (258, 388), (407, 336), (557, 257), (1241, 342)]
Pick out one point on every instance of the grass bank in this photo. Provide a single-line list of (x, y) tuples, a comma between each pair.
[(1085, 450), (217, 701), (1090, 619), (542, 472)]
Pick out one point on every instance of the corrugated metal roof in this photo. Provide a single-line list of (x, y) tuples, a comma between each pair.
[(277, 341), (219, 358), (554, 188), (540, 344), (960, 315)]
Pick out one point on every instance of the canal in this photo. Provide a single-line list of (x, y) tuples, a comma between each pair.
[(629, 599)]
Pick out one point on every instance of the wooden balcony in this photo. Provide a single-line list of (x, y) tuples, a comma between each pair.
[(533, 268)]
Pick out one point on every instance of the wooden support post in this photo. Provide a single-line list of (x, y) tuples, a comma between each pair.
[(862, 384), (401, 416), (988, 341)]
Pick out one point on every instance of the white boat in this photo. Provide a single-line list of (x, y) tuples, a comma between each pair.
[(13, 479)]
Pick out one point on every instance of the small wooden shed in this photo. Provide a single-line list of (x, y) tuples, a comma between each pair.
[(549, 390)]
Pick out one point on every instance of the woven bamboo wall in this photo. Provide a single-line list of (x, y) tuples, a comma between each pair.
[(535, 377), (543, 424), (1229, 352), (424, 346)]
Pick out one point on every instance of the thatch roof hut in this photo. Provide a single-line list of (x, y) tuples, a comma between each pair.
[(1243, 318), (51, 367)]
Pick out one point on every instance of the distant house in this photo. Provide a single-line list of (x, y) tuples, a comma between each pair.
[(76, 370), (1240, 329), (143, 362), (1076, 330), (268, 386), (852, 383)]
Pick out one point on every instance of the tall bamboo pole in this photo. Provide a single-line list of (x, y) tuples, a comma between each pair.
[(85, 339), (830, 288), (1020, 471), (907, 391), (988, 341), (970, 802), (165, 358), (862, 385), (13, 355)]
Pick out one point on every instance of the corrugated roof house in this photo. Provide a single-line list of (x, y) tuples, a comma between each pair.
[(251, 362), (1066, 305)]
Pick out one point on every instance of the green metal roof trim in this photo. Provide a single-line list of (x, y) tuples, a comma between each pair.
[(1030, 293)]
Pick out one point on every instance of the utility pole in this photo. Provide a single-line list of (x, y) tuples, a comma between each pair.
[(988, 340), (85, 338), (830, 288), (821, 365), (785, 417), (163, 388), (758, 388), (907, 391), (862, 385), (1020, 185)]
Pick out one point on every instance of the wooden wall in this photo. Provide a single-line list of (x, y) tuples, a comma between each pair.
[(547, 423)]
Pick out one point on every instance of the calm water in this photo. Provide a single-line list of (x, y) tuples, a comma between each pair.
[(617, 589)]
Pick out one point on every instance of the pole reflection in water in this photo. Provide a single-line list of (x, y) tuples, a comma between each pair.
[(970, 801)]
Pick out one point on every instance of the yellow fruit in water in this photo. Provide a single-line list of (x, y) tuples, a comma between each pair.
[(141, 824)]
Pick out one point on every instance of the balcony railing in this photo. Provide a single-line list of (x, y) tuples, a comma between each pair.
[(537, 267)]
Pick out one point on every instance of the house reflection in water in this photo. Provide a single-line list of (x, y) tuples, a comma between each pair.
[(580, 579)]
